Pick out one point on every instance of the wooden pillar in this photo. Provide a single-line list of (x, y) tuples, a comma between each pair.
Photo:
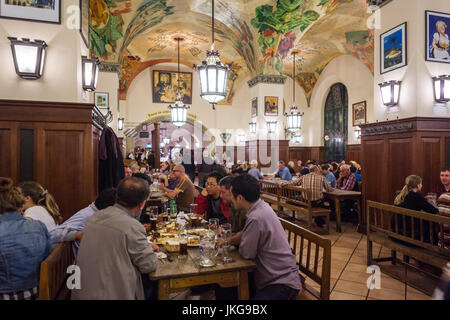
[(155, 144)]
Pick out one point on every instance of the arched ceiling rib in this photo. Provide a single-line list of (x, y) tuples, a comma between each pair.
[(256, 36)]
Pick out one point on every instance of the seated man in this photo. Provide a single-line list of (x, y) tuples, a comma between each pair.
[(283, 172), (210, 203), (354, 170), (183, 192), (444, 186), (235, 217), (328, 175), (316, 183), (71, 229), (115, 251), (347, 181), (264, 240), (128, 172)]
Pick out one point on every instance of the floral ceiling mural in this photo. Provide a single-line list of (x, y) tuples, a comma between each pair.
[(255, 36)]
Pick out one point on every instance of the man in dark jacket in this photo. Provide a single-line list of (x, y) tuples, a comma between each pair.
[(209, 202)]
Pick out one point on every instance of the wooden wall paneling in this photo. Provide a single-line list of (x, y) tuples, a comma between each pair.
[(9, 150), (400, 162), (353, 152), (64, 165), (431, 164), (374, 168)]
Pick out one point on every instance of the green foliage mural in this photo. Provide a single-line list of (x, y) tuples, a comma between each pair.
[(276, 30)]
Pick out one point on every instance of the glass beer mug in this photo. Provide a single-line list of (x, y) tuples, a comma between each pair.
[(208, 249)]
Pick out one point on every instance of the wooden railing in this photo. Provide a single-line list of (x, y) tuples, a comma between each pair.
[(53, 271), (313, 255)]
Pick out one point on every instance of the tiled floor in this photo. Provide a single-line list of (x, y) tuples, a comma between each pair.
[(349, 270)]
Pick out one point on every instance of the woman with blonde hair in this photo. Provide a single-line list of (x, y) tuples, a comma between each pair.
[(254, 171), (40, 205), (24, 244), (410, 198)]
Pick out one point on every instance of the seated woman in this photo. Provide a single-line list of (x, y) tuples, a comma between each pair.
[(165, 168), (40, 205), (410, 198), (291, 168), (24, 244)]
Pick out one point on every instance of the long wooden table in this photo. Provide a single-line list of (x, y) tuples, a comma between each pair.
[(340, 195), (181, 274)]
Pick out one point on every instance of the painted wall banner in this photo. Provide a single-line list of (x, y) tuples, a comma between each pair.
[(167, 113)]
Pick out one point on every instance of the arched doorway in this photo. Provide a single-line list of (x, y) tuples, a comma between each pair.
[(335, 123)]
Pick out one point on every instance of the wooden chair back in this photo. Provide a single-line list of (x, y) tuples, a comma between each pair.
[(313, 255), (53, 270), (415, 227), (296, 195)]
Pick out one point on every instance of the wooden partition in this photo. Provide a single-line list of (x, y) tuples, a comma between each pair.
[(353, 152), (55, 144), (392, 150)]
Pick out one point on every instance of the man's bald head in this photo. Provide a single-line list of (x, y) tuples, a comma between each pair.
[(132, 191)]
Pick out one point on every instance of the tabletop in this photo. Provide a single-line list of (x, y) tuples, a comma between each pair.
[(339, 192), (190, 265)]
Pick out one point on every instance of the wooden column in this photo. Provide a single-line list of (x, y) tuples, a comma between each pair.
[(155, 143)]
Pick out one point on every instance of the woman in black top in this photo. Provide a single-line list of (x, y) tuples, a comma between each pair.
[(410, 198)]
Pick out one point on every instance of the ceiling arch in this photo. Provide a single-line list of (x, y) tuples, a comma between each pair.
[(256, 36)]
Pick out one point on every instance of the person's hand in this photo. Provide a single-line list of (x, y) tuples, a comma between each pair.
[(161, 187), (204, 193), (220, 242), (155, 247), (147, 227), (78, 235)]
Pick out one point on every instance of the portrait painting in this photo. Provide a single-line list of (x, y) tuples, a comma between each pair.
[(359, 113), (270, 106), (32, 10), (437, 36), (101, 100), (254, 107), (84, 21), (394, 49), (166, 86)]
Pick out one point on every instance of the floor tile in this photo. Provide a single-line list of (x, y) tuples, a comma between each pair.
[(391, 283), (351, 287), (358, 259), (387, 294), (356, 267), (355, 276), (336, 295)]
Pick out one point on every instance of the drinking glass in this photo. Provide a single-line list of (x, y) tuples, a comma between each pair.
[(214, 225), (183, 249), (432, 199), (226, 246), (193, 208)]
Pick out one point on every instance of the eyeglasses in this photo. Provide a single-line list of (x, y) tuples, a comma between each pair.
[(211, 184)]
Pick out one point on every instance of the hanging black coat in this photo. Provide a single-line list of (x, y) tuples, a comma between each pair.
[(110, 163)]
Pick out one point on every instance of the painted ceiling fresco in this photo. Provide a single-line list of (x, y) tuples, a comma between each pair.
[(256, 36)]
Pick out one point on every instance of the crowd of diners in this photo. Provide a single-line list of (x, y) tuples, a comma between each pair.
[(110, 235)]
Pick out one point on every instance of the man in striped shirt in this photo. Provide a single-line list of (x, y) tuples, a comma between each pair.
[(444, 210)]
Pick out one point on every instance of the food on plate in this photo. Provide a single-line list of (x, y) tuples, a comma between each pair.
[(172, 245), (197, 232), (193, 241)]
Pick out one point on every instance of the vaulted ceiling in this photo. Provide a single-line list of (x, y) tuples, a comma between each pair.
[(256, 36)]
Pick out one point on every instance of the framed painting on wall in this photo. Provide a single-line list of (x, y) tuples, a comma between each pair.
[(84, 21), (101, 100), (393, 46), (48, 11), (270, 106), (359, 113), (165, 85), (255, 107), (437, 36)]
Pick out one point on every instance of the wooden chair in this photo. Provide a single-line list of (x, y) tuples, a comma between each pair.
[(270, 193), (303, 243), (53, 274), (299, 200), (416, 234)]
